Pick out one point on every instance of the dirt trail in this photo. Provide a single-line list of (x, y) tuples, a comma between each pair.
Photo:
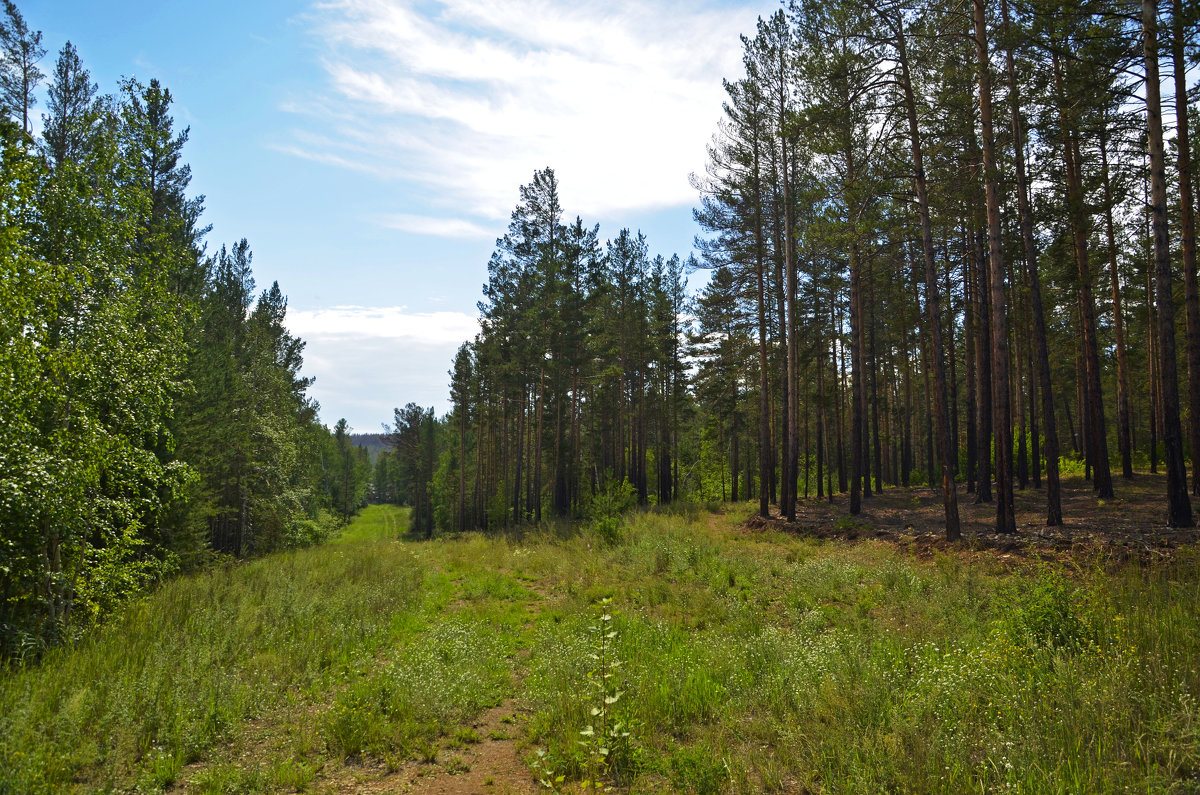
[(491, 766)]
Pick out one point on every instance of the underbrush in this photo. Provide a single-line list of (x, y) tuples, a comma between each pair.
[(444, 677)]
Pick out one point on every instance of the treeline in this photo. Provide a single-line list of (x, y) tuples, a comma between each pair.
[(152, 411), (948, 246), (577, 380)]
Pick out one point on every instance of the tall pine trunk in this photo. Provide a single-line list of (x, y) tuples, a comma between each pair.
[(1124, 434), (791, 446), (1097, 441), (1002, 411), (764, 406), (1187, 235), (856, 383), (969, 354), (1179, 508), (983, 371), (933, 313)]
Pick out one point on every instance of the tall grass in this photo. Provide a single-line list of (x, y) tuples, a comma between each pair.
[(771, 663), (184, 668), (747, 661)]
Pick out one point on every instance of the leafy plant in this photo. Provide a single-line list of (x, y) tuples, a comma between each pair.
[(605, 733), (546, 774)]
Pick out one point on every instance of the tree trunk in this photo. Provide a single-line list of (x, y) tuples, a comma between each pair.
[(1187, 235), (840, 399), (517, 465), (1001, 393), (969, 353), (1123, 433), (462, 469), (1152, 353), (764, 407), (820, 414), (906, 450), (1179, 508), (793, 351), (876, 439), (941, 409), (1020, 367), (1098, 442), (983, 369), (856, 383), (785, 431), (536, 447), (951, 358)]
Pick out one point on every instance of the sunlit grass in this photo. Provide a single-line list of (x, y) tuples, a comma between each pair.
[(747, 661), (186, 667)]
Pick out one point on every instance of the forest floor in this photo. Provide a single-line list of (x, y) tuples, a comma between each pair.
[(697, 652), (1131, 526)]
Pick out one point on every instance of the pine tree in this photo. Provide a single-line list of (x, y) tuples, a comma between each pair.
[(20, 51), (70, 128)]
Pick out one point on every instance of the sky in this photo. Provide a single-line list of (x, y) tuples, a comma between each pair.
[(371, 151)]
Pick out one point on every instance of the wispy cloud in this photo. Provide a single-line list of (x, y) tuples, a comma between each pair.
[(386, 322), (437, 227), (463, 99)]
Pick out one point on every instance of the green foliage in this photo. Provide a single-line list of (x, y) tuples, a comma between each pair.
[(349, 480), (698, 769), (92, 348), (605, 739), (305, 532), (414, 440), (246, 426), (151, 410), (444, 677), (1071, 465), (608, 508), (187, 667), (445, 489), (578, 370), (1047, 615)]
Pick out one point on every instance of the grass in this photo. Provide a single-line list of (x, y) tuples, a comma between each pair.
[(747, 661)]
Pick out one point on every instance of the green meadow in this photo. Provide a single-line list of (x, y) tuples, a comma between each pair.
[(682, 653)]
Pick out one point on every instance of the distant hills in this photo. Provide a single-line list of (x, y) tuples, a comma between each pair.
[(375, 443)]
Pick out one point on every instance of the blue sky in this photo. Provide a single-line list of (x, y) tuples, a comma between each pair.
[(371, 150)]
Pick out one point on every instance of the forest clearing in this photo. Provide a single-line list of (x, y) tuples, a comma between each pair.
[(873, 472), (743, 656)]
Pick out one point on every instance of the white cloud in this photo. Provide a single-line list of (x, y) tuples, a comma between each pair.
[(464, 99), (369, 360)]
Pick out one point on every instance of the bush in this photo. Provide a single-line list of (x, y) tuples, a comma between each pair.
[(308, 531), (1046, 614), (608, 508)]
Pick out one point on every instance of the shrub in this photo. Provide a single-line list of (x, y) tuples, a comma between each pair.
[(608, 508)]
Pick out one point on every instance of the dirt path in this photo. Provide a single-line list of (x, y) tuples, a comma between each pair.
[(492, 765), (485, 760)]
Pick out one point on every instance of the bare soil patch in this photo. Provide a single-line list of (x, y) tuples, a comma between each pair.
[(492, 765)]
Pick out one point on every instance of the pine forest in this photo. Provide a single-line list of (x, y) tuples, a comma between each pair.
[(885, 484)]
